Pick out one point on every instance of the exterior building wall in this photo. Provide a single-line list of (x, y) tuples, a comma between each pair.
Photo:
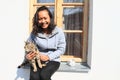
[(105, 57)]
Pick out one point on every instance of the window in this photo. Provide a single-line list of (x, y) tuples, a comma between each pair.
[(72, 16)]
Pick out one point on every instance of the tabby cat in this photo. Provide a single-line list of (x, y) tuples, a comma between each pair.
[(31, 47)]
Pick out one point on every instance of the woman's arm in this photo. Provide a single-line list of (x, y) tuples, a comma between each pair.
[(60, 47)]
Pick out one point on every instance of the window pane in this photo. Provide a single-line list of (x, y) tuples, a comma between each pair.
[(51, 9), (74, 44), (73, 18), (45, 1), (73, 1)]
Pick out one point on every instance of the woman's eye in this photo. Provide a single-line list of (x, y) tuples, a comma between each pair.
[(45, 18), (39, 18)]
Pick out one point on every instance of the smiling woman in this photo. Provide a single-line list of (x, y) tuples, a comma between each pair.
[(50, 41), (43, 19)]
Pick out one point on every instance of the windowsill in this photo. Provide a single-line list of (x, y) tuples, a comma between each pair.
[(64, 67), (78, 67)]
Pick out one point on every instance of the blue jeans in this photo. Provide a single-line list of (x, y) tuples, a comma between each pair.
[(46, 72)]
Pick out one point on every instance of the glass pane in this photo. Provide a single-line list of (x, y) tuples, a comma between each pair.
[(45, 1), (73, 18), (74, 44), (73, 1), (52, 8)]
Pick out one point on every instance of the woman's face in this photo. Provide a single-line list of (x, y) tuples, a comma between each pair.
[(44, 19)]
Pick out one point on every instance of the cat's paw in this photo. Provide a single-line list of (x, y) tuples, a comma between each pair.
[(35, 70)]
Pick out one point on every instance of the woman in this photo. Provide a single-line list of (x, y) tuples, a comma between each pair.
[(50, 41)]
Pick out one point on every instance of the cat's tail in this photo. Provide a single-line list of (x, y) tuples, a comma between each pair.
[(23, 64)]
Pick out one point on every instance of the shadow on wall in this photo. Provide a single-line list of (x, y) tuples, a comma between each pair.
[(22, 74)]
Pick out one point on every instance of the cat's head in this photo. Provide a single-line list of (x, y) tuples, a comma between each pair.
[(29, 47)]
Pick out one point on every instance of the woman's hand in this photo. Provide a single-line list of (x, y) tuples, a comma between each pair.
[(30, 55), (44, 57)]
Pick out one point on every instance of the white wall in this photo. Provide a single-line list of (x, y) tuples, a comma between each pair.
[(14, 16)]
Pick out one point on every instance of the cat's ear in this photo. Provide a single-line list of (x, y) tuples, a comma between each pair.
[(25, 42)]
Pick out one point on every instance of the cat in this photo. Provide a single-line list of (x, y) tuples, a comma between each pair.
[(31, 47)]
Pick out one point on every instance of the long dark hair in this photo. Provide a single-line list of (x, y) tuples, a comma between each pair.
[(36, 27)]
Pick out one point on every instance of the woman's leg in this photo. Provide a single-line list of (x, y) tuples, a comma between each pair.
[(34, 75), (47, 71)]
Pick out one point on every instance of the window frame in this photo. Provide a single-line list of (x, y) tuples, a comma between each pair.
[(58, 21)]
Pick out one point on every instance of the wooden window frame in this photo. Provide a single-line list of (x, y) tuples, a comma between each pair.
[(58, 21)]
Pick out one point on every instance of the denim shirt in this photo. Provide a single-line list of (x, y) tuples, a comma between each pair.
[(53, 45)]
